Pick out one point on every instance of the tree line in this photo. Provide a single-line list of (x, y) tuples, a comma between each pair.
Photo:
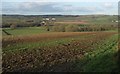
[(78, 28)]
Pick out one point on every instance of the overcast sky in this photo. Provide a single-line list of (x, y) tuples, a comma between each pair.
[(71, 7)]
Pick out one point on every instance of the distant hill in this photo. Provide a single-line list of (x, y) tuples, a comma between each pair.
[(21, 20)]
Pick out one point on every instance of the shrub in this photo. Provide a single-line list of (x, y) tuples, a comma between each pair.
[(72, 28), (58, 28), (13, 26)]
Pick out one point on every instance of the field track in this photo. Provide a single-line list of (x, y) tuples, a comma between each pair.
[(47, 36), (39, 37)]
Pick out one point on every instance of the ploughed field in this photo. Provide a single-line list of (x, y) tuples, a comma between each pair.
[(61, 51)]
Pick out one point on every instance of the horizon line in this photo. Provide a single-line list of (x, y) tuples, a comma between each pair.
[(60, 14)]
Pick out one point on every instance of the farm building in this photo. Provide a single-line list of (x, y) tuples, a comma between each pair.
[(43, 23), (48, 21), (115, 21)]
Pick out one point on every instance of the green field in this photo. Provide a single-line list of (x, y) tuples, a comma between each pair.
[(25, 31)]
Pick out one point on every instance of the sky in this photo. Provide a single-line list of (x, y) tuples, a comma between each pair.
[(60, 7)]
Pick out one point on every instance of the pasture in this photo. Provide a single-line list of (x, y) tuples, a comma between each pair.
[(25, 31)]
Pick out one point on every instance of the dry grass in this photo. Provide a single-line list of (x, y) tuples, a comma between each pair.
[(74, 22)]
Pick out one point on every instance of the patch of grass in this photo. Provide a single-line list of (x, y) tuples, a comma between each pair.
[(102, 59), (26, 30)]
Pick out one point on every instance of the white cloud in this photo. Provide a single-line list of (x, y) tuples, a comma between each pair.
[(60, 0), (108, 5), (26, 5), (31, 4), (69, 8), (56, 7)]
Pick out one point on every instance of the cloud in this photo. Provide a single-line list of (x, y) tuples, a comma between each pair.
[(80, 9), (26, 5), (60, 0), (53, 8), (108, 5), (29, 7)]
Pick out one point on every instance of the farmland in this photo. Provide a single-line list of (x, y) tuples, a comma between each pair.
[(34, 20), (93, 47)]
